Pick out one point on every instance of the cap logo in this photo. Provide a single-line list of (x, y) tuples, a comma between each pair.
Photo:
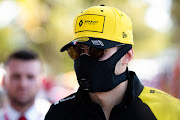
[(97, 42), (124, 35), (90, 23), (80, 23)]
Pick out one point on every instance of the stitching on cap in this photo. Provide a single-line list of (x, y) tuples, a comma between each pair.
[(115, 23)]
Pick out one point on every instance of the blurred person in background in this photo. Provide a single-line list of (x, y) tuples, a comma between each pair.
[(22, 83), (101, 50), (2, 98)]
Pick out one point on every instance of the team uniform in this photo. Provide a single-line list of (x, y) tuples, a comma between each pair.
[(35, 112), (139, 103), (95, 30)]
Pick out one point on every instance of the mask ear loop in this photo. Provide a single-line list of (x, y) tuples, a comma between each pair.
[(121, 52)]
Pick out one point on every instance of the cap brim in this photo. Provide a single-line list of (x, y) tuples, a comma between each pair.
[(94, 42)]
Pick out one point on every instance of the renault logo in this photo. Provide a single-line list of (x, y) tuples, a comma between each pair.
[(80, 23)]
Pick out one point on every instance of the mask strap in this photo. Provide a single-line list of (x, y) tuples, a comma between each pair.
[(123, 76), (120, 53)]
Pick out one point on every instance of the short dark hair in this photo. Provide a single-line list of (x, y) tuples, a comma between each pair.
[(25, 55)]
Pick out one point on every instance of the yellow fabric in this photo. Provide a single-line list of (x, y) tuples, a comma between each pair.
[(163, 106), (103, 22)]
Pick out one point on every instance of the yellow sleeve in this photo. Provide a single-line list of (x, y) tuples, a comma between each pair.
[(162, 105)]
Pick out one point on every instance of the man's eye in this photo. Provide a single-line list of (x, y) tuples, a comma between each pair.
[(16, 76), (30, 76)]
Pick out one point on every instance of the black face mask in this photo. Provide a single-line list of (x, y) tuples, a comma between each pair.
[(99, 76)]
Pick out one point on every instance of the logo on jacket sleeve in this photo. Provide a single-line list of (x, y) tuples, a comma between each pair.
[(65, 99), (152, 91)]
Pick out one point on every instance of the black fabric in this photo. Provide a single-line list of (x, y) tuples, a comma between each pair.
[(81, 107), (101, 43), (99, 76)]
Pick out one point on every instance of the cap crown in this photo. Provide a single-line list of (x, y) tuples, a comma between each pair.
[(103, 22)]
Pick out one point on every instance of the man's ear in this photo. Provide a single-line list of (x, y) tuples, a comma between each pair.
[(128, 57), (4, 81)]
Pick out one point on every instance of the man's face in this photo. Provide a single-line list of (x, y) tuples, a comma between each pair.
[(121, 64), (22, 80)]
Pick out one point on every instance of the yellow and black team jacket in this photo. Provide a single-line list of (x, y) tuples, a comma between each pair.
[(139, 103)]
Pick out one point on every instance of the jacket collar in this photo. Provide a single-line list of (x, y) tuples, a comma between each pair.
[(133, 90)]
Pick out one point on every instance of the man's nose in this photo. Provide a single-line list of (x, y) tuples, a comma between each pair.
[(23, 82)]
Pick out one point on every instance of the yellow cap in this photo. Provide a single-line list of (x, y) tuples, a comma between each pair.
[(102, 27), (103, 22)]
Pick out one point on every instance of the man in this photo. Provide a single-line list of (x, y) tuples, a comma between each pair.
[(101, 50), (22, 83)]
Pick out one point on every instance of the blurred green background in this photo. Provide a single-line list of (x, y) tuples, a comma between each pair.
[(46, 25)]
